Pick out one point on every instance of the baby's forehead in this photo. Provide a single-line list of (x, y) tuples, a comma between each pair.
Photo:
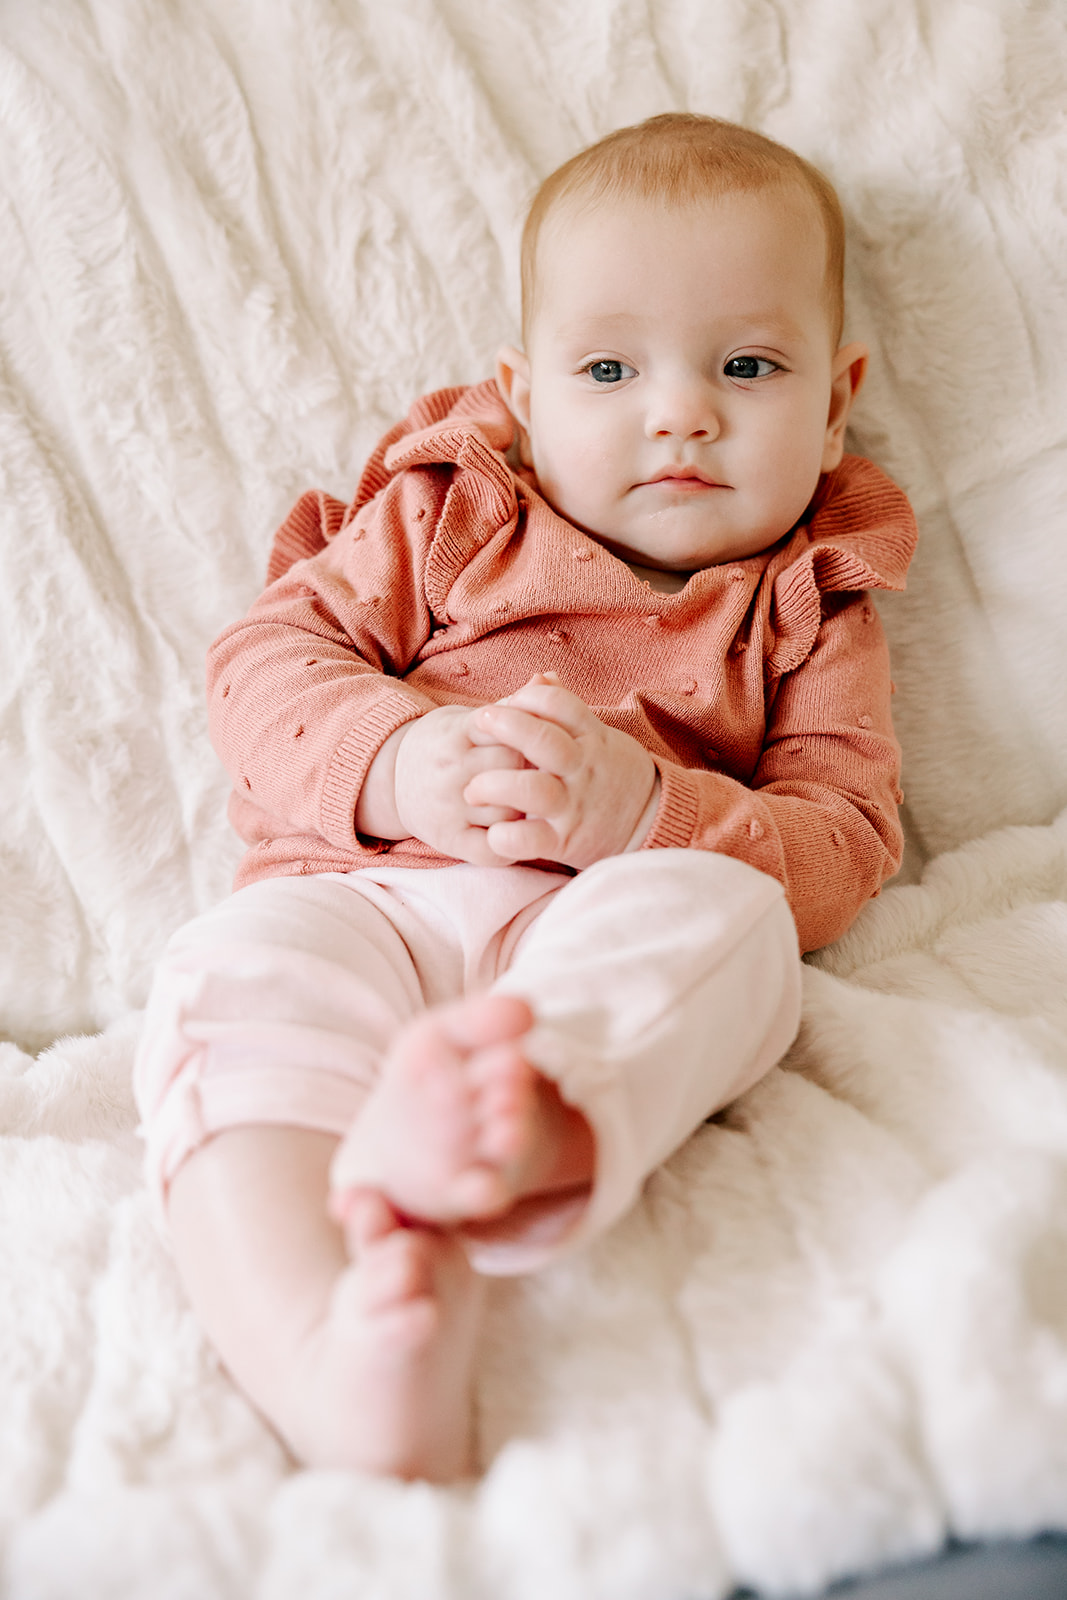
[(590, 247), (644, 213)]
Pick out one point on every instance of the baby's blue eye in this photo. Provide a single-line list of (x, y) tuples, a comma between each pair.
[(749, 367), (609, 371)]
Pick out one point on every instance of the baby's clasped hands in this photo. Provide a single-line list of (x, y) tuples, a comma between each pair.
[(429, 764), (582, 788)]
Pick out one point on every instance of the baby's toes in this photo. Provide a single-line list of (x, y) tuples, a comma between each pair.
[(482, 1021), (363, 1214), (501, 1064), (393, 1271), (506, 1108), (480, 1190), (425, 1056)]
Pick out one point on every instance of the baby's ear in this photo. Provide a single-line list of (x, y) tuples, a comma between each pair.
[(513, 381), (849, 368)]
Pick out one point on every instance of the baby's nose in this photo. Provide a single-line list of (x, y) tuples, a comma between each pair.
[(683, 411)]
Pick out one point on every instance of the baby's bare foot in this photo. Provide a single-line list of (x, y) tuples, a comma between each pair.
[(460, 1124), (384, 1383)]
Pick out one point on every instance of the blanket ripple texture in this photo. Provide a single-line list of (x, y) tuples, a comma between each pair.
[(237, 240)]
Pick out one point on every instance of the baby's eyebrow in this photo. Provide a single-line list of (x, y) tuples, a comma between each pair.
[(582, 327), (773, 324), (777, 323)]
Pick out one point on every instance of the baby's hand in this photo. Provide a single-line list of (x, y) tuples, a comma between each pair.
[(583, 792), (427, 765), (435, 765)]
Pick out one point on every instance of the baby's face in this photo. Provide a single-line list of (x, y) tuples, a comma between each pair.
[(681, 392)]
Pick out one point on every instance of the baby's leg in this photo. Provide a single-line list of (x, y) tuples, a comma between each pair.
[(664, 984), (359, 1349), (263, 1037), (652, 990)]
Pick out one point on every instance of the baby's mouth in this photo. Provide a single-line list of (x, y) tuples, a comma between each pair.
[(683, 478)]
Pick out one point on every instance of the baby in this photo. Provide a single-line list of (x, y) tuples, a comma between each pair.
[(551, 749)]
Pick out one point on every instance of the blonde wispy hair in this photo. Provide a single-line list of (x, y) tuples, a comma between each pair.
[(677, 159)]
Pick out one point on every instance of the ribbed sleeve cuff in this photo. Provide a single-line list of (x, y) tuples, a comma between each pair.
[(679, 807), (353, 757)]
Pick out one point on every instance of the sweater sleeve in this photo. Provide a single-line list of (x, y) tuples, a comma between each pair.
[(304, 690), (821, 812)]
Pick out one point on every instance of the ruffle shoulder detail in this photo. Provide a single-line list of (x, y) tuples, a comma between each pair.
[(483, 496), (465, 427), (316, 518), (860, 534)]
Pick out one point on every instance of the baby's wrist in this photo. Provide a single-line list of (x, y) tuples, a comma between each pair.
[(644, 821), (377, 806)]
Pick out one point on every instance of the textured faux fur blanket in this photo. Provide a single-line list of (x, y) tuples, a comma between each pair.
[(237, 239)]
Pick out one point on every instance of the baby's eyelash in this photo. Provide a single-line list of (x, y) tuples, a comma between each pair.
[(608, 371), (750, 362)]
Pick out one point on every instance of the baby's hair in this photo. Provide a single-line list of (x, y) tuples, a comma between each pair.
[(678, 158)]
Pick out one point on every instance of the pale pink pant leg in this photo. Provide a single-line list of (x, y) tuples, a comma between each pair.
[(277, 1005), (664, 984)]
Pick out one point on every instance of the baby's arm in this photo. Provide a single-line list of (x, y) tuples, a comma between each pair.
[(819, 812), (584, 790), (309, 709)]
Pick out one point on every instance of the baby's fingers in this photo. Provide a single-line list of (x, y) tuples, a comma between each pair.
[(486, 757), (544, 744), (475, 846), (527, 792), (483, 816), (545, 697), (486, 742), (532, 839)]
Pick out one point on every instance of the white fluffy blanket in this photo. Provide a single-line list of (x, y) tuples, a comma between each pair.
[(237, 239)]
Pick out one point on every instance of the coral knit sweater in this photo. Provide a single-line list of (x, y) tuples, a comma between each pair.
[(761, 688)]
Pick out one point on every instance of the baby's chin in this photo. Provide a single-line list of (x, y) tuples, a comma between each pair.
[(674, 539), (654, 560), (689, 544), (677, 538), (660, 554)]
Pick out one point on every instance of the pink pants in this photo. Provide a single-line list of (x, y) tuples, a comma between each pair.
[(663, 985)]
